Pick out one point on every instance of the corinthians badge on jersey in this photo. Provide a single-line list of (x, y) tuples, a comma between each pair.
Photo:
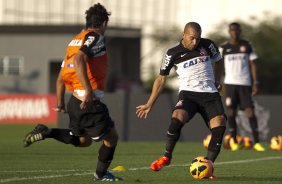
[(242, 48)]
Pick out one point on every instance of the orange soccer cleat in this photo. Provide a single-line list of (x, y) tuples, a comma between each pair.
[(160, 163)]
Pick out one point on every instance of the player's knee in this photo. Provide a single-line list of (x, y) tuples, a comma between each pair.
[(112, 138), (222, 120), (181, 115), (174, 129), (218, 121), (85, 141)]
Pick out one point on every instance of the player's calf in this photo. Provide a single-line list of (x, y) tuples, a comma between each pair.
[(105, 158), (215, 143), (173, 134)]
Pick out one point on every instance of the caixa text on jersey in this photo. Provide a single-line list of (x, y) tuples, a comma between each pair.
[(195, 61)]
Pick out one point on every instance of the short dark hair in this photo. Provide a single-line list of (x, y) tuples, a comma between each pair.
[(235, 24), (96, 15), (193, 25)]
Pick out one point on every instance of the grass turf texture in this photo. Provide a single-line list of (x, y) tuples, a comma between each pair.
[(52, 162)]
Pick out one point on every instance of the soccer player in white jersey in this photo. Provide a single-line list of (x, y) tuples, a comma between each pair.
[(240, 82), (198, 91)]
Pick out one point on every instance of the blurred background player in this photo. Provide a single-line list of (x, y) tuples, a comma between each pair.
[(198, 90), (240, 82), (84, 72)]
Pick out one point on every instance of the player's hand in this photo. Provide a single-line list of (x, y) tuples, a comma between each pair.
[(254, 90), (88, 97), (60, 108), (143, 111)]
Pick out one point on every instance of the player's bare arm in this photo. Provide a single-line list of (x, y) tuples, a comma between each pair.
[(218, 73), (80, 67), (143, 110), (60, 92), (253, 68)]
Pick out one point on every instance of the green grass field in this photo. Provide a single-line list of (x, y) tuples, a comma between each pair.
[(54, 163)]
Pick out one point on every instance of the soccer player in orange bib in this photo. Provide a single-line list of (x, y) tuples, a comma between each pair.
[(84, 72)]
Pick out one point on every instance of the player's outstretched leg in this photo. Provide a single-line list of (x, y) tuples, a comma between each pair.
[(173, 134), (37, 134)]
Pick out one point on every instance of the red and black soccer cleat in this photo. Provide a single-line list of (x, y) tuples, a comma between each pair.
[(160, 163)]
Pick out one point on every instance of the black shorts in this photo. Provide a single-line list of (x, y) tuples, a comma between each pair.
[(93, 121), (209, 105), (238, 95)]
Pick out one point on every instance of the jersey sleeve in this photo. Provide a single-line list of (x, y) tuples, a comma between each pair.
[(90, 41), (215, 53), (167, 63), (253, 55)]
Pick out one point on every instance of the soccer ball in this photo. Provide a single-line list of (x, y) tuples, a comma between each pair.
[(206, 141), (276, 143), (201, 168)]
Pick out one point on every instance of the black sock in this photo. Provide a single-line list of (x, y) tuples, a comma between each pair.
[(254, 126), (105, 158), (232, 127), (215, 142), (63, 135), (169, 147), (102, 168), (173, 134)]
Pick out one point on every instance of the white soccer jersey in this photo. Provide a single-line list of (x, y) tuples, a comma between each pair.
[(237, 62), (194, 68)]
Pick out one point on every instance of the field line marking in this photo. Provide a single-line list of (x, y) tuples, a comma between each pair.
[(38, 171), (249, 160), (220, 163), (41, 177), (130, 169)]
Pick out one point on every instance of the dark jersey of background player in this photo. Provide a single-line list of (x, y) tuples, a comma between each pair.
[(240, 81)]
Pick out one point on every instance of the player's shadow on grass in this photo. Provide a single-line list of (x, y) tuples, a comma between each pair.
[(250, 178)]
